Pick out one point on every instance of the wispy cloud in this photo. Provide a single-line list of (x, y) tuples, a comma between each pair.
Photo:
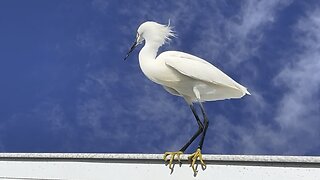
[(47, 112), (94, 103), (143, 110), (113, 107), (46, 118), (234, 39), (51, 112), (298, 111), (293, 129), (149, 116), (229, 40)]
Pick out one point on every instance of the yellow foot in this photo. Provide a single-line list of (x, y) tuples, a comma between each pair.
[(171, 156), (193, 158)]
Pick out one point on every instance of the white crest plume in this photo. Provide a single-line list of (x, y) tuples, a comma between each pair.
[(156, 32)]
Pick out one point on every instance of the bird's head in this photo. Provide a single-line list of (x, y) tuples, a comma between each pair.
[(152, 32)]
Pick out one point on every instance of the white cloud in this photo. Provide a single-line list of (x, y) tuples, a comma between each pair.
[(294, 128), (146, 109), (255, 136), (94, 105), (47, 115), (99, 83), (217, 37), (298, 111), (237, 39), (48, 112), (301, 77), (51, 112), (178, 12), (232, 40), (295, 125)]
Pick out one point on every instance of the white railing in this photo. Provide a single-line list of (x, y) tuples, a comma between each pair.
[(151, 166)]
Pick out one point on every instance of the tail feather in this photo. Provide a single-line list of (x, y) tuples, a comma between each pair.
[(243, 89), (247, 92)]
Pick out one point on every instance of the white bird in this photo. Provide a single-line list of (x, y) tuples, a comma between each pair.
[(185, 75)]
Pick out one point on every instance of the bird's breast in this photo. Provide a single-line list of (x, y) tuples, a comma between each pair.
[(158, 72)]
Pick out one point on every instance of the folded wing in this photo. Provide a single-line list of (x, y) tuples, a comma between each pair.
[(199, 69)]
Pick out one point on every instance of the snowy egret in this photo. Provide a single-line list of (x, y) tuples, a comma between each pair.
[(185, 75)]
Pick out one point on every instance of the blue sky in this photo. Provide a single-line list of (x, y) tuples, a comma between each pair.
[(66, 88)]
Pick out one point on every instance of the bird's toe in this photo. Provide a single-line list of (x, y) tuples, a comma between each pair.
[(193, 158), (170, 156)]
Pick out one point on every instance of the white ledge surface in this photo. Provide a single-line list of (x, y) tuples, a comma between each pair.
[(151, 166), (156, 157)]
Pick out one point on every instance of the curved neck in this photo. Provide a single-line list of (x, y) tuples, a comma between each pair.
[(147, 59), (149, 51)]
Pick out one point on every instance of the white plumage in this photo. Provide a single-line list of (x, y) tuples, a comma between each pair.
[(182, 74)]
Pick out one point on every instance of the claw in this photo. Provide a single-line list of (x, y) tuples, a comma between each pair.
[(193, 158), (172, 156)]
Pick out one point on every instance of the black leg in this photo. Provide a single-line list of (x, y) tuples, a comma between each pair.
[(205, 124), (199, 131)]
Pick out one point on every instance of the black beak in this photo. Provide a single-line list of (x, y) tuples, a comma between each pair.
[(131, 49)]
